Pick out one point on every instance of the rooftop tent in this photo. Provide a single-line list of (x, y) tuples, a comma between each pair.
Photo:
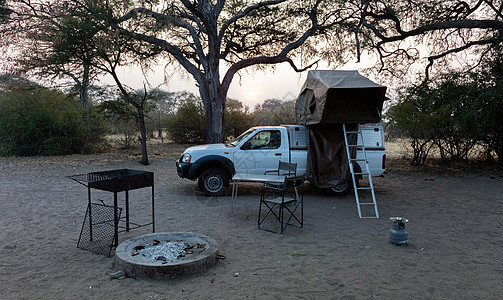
[(336, 97), (327, 100)]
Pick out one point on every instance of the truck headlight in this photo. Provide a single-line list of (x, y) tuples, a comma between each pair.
[(186, 158)]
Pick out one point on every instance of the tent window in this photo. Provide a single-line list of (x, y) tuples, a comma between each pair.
[(312, 105)]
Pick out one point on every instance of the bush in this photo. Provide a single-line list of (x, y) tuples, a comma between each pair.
[(125, 132), (40, 121), (237, 118), (188, 125), (457, 113), (415, 116), (275, 112)]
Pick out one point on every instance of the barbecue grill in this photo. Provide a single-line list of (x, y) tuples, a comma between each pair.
[(122, 180)]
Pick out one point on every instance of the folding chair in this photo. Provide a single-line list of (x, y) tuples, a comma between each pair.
[(284, 168), (281, 200)]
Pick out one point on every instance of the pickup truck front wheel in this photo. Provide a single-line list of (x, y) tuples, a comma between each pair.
[(213, 182), (342, 189)]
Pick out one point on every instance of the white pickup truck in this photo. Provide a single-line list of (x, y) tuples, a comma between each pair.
[(259, 149)]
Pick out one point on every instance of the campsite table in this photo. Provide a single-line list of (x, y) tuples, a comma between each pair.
[(242, 177), (121, 180)]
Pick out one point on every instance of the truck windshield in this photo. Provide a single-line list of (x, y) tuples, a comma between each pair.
[(241, 137)]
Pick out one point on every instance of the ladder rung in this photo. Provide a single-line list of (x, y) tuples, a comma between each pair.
[(364, 188), (352, 131), (358, 159), (355, 146), (361, 173), (370, 203)]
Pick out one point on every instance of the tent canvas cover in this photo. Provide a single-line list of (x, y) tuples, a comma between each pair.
[(326, 101), (336, 97)]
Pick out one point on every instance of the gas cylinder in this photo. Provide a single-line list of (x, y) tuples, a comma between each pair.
[(397, 234)]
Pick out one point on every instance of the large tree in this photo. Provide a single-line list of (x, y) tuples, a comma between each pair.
[(54, 39), (403, 32), (73, 39), (213, 40), (201, 34)]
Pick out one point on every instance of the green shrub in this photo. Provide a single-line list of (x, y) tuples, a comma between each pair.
[(40, 121), (457, 113), (188, 125), (237, 119)]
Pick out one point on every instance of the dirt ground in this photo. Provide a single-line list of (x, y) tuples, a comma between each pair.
[(455, 246)]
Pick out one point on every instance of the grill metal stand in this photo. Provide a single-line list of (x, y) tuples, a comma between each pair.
[(121, 180)]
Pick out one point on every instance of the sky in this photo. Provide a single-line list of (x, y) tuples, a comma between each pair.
[(252, 88)]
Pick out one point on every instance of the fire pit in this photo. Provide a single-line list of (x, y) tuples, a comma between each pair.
[(166, 255)]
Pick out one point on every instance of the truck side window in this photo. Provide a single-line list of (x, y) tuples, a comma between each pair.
[(267, 139)]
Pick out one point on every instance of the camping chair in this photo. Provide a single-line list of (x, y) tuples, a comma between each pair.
[(283, 203), (284, 168)]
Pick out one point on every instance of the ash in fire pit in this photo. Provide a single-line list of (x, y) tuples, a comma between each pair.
[(166, 254), (167, 250)]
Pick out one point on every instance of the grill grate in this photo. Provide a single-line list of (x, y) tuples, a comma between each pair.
[(90, 177), (99, 237)]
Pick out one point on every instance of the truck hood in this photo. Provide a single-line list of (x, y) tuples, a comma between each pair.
[(208, 147), (197, 152)]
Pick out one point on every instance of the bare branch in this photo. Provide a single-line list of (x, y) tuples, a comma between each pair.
[(497, 11), (432, 58), (279, 58), (245, 13)]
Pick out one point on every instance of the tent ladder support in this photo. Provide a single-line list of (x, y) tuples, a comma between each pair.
[(360, 145)]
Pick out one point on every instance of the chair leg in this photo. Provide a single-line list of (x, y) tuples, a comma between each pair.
[(302, 213), (282, 214), (295, 212), (259, 213), (270, 209), (299, 219)]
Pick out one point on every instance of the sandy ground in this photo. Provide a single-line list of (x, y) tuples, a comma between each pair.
[(455, 236)]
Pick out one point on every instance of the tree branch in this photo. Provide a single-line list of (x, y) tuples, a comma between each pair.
[(175, 51), (431, 59), (454, 24), (281, 57), (244, 13)]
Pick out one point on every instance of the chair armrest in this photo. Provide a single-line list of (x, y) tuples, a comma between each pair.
[(273, 171), (272, 187)]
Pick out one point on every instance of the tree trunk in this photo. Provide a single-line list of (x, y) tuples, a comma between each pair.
[(215, 117), (143, 137), (214, 96), (84, 90)]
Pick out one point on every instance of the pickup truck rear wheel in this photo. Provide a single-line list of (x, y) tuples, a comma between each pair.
[(213, 182), (342, 189)]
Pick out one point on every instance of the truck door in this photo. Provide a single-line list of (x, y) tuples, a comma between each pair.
[(261, 152)]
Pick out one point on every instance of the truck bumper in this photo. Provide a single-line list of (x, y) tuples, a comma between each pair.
[(186, 170)]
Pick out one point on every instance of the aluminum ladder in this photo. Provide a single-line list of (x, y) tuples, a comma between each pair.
[(354, 175)]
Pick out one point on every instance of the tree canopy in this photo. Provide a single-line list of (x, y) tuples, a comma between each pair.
[(201, 35), (215, 40), (457, 114), (403, 32)]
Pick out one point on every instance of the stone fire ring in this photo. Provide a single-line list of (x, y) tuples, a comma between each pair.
[(136, 267)]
